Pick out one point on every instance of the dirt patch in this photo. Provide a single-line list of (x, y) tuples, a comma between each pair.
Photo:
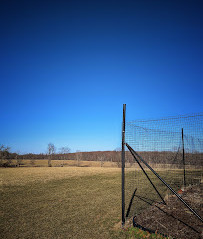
[(175, 219)]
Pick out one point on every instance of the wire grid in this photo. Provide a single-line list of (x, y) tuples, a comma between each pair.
[(160, 144)]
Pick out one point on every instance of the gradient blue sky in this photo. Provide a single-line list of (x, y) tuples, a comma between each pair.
[(66, 68)]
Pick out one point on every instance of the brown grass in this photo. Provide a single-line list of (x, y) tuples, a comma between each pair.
[(26, 175), (66, 163), (65, 202)]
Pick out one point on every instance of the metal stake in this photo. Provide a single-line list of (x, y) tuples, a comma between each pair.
[(123, 165), (184, 180)]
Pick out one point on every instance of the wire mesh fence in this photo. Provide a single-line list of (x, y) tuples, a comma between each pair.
[(173, 147)]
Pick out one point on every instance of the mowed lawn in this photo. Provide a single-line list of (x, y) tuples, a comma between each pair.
[(69, 202)]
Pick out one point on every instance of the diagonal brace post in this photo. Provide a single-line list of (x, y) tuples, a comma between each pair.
[(130, 204), (142, 160), (131, 151)]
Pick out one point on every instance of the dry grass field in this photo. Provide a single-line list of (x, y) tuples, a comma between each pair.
[(65, 163), (27, 175), (62, 202)]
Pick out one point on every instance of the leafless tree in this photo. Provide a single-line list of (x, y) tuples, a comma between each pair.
[(5, 155), (51, 151), (101, 159), (2, 154), (78, 157), (64, 151), (32, 162), (18, 160), (118, 156)]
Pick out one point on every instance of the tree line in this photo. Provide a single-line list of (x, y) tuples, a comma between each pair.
[(63, 153)]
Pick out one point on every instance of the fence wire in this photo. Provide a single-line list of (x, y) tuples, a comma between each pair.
[(173, 147)]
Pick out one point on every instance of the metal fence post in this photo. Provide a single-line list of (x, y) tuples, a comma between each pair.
[(123, 165), (184, 179)]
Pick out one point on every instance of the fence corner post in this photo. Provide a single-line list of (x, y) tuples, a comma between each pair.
[(123, 165)]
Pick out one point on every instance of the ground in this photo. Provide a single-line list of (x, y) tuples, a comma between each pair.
[(175, 219), (75, 202), (60, 203)]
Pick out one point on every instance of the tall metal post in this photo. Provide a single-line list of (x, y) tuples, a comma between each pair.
[(123, 165), (184, 180)]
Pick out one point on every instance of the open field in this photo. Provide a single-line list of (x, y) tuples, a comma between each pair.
[(105, 164), (27, 175), (61, 202), (65, 163)]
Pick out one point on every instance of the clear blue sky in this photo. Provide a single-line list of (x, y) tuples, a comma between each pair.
[(67, 66)]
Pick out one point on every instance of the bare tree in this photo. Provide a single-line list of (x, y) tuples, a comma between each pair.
[(64, 151), (118, 156), (101, 159), (51, 151), (1, 154), (5, 155), (18, 160), (78, 157), (32, 162)]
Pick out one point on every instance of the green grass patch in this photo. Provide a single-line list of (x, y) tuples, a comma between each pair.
[(139, 234)]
